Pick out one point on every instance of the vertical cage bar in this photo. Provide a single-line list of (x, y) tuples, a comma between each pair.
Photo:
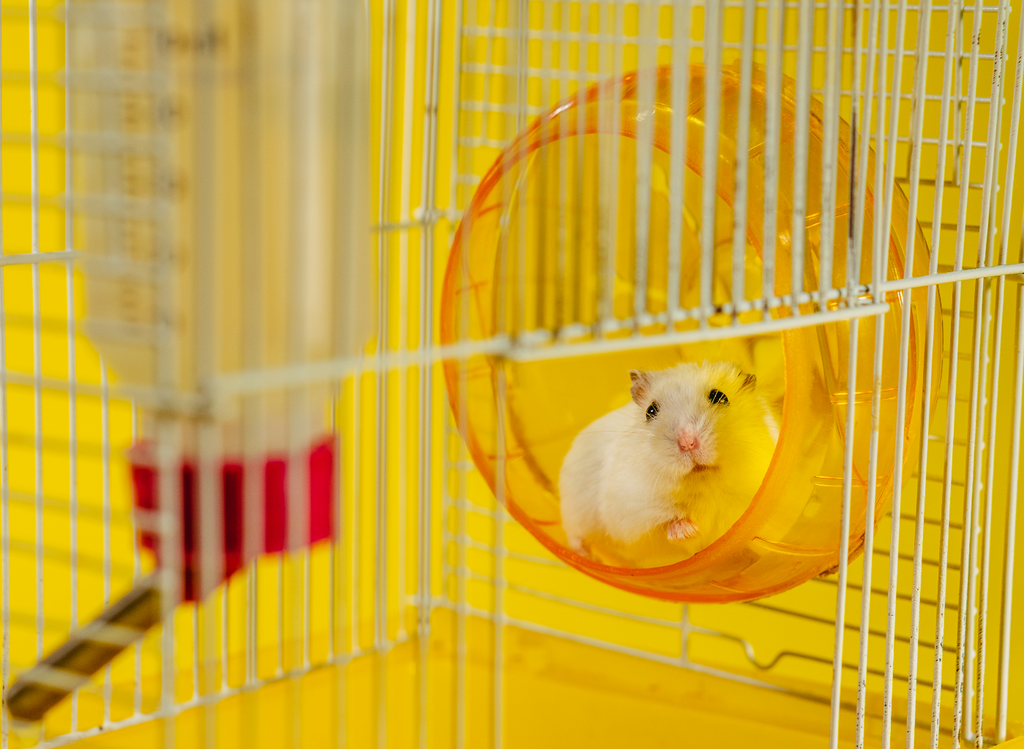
[(107, 518), (33, 78), (964, 647), (772, 134), (224, 640), (251, 620), (426, 390), (461, 416), (882, 184), (169, 465), (196, 638), (894, 124), (1002, 693), (685, 628), (69, 280), (709, 183), (542, 156), (647, 56), (307, 601), (986, 248), (925, 426), (940, 608), (499, 566), (500, 518), (986, 549), (681, 12), (844, 540), (958, 95), (518, 40), (37, 364), (739, 209), (829, 156), (383, 287), (136, 577), (5, 502), (302, 125), (207, 535), (409, 85), (972, 521), (334, 554), (456, 83), (608, 186), (858, 199), (518, 323), (1002, 699), (869, 533), (280, 613), (461, 582), (584, 300), (882, 230), (357, 509), (860, 151), (946, 493), (800, 149), (563, 313), (426, 370), (346, 556)]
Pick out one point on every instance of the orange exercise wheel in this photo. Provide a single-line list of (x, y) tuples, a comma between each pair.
[(531, 254)]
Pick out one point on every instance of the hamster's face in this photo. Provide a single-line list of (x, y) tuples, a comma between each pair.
[(695, 417)]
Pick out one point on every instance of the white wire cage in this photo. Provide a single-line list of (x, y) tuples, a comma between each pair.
[(200, 137)]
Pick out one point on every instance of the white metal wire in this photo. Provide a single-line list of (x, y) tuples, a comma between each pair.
[(498, 89)]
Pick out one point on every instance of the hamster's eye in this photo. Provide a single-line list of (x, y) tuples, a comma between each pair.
[(652, 410), (718, 398)]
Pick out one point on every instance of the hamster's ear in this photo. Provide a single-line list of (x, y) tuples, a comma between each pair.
[(749, 381), (641, 386)]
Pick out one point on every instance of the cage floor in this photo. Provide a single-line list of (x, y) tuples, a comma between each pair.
[(556, 693)]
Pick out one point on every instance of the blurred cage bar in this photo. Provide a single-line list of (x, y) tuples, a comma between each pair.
[(190, 289)]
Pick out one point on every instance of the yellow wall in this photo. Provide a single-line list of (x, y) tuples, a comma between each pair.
[(557, 693)]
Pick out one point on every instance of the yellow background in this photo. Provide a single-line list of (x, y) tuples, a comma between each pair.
[(557, 692)]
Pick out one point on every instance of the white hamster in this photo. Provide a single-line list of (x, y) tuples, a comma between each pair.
[(681, 461)]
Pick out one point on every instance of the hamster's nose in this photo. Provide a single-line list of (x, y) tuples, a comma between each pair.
[(687, 440)]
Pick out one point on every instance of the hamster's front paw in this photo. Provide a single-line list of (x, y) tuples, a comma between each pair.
[(580, 546), (681, 530)]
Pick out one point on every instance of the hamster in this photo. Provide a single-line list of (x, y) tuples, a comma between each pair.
[(679, 464)]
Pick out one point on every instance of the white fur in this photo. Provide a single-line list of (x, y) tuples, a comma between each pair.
[(625, 477)]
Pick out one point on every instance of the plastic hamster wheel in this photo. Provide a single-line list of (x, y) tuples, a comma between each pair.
[(529, 255)]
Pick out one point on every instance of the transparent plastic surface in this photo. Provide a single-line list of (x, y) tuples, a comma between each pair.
[(547, 245)]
